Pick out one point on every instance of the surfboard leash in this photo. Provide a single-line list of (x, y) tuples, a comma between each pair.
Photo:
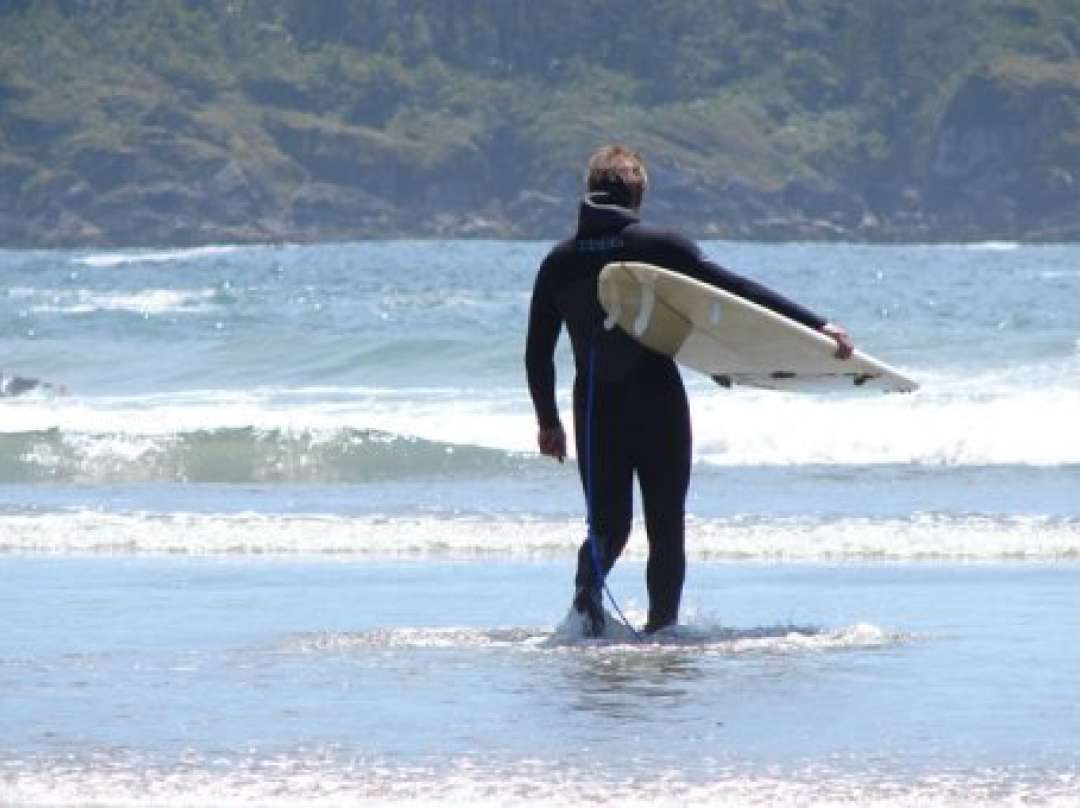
[(594, 544)]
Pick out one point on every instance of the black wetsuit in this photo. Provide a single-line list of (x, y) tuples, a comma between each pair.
[(640, 419)]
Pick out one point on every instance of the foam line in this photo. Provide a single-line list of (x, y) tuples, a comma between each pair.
[(922, 537)]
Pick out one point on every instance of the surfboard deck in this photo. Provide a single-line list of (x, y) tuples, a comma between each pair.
[(731, 339)]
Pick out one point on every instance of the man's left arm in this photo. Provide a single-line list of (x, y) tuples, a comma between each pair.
[(715, 275)]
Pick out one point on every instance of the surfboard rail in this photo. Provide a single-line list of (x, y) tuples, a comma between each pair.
[(730, 339)]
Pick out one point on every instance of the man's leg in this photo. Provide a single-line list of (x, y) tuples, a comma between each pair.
[(608, 491), (664, 472)]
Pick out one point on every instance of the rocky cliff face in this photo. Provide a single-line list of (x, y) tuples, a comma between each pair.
[(249, 130), (1005, 158)]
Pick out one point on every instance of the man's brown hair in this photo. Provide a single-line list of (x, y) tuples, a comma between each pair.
[(620, 171)]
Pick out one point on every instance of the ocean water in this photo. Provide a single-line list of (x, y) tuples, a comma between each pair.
[(284, 539)]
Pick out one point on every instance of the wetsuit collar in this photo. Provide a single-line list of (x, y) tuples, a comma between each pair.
[(599, 214)]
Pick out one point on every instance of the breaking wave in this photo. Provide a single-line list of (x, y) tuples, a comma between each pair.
[(106, 260), (237, 455)]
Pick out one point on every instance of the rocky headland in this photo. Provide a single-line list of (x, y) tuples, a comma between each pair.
[(185, 122)]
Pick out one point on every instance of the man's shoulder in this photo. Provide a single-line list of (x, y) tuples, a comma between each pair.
[(560, 253), (665, 242), (559, 249)]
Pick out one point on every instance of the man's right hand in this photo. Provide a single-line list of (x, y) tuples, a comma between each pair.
[(552, 442)]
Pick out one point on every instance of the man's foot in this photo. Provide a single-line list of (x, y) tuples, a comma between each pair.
[(655, 625), (589, 604)]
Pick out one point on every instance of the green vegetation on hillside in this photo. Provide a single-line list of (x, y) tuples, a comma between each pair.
[(183, 121)]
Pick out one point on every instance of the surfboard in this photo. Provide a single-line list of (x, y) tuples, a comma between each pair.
[(731, 339)]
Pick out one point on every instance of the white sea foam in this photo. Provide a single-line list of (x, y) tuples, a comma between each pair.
[(962, 425), (958, 426), (146, 301), (114, 259), (322, 781), (1010, 416), (443, 414), (696, 635), (920, 537), (992, 246)]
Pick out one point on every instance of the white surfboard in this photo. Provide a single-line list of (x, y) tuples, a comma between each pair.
[(731, 339)]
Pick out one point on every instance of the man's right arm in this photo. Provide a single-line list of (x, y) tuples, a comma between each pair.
[(545, 323)]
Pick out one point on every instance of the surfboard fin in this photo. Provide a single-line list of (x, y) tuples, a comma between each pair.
[(648, 302), (612, 319)]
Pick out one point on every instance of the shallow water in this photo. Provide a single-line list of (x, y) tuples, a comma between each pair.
[(285, 541), (144, 678)]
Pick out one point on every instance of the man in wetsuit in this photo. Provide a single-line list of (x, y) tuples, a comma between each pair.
[(630, 408)]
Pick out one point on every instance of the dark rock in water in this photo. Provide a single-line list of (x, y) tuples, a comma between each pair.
[(11, 386)]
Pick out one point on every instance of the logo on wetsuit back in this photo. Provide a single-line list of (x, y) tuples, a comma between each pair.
[(594, 245)]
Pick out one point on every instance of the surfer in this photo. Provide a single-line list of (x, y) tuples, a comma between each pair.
[(630, 408)]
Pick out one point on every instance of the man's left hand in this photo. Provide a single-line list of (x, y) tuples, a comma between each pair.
[(844, 345)]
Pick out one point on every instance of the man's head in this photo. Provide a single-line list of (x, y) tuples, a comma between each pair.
[(620, 172)]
